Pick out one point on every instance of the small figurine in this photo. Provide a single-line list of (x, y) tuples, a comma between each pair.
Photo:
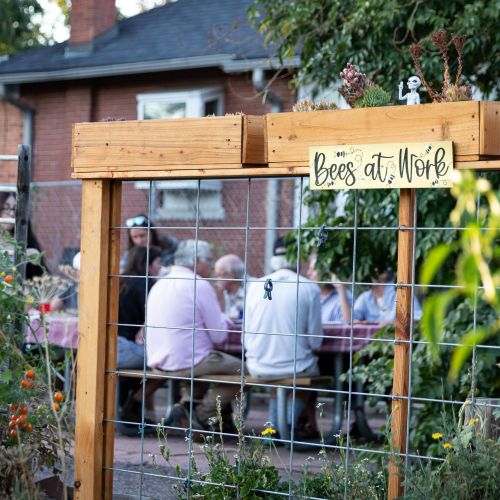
[(413, 97)]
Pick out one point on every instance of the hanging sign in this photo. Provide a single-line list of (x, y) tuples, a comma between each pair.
[(382, 166)]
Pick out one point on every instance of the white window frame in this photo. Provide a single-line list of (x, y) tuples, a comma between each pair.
[(211, 206), (195, 100)]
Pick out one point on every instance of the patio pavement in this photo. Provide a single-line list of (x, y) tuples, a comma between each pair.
[(130, 453)]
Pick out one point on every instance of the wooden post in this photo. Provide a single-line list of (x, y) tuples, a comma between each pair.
[(22, 207), (407, 202), (111, 340), (90, 389)]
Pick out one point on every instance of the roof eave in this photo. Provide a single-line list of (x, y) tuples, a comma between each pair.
[(225, 61)]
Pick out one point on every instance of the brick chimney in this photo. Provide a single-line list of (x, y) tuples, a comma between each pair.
[(89, 18)]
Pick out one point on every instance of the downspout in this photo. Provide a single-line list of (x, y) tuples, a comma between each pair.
[(273, 185), (28, 113)]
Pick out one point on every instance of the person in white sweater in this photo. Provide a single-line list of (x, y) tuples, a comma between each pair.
[(282, 334)]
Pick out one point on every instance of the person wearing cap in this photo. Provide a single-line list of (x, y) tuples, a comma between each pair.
[(137, 236), (282, 334), (378, 305)]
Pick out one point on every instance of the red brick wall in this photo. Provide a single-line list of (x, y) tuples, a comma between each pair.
[(56, 214), (11, 135), (90, 18)]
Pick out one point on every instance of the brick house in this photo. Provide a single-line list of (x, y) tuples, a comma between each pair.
[(184, 59)]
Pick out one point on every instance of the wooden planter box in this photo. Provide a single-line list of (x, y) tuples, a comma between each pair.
[(472, 126), (155, 148)]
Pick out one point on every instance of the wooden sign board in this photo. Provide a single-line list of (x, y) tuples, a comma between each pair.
[(382, 166)]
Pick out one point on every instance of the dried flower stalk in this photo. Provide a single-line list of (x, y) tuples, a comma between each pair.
[(449, 92)]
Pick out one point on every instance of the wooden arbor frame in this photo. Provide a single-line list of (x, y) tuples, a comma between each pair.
[(105, 154)]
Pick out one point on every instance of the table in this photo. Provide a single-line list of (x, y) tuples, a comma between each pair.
[(336, 341), (62, 331), (336, 337)]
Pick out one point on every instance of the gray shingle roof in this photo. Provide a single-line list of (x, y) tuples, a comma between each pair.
[(179, 35)]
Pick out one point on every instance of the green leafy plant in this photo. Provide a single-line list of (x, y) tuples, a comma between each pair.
[(373, 365), (253, 470), (35, 419), (374, 35), (477, 206), (471, 468)]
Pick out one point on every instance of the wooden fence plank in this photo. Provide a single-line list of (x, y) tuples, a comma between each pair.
[(399, 415), (92, 339)]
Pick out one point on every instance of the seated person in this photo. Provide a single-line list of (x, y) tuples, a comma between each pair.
[(169, 333), (137, 236), (36, 265), (378, 305), (230, 267), (131, 307), (335, 299), (68, 299), (295, 328)]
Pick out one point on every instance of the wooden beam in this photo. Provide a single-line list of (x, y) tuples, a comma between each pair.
[(254, 149), (289, 135), (93, 308), (480, 165), (489, 125), (228, 173), (399, 416), (111, 340)]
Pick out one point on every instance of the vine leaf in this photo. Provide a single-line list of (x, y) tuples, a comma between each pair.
[(435, 260), (433, 317)]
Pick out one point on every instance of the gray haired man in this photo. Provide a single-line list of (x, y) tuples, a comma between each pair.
[(180, 305), (231, 271)]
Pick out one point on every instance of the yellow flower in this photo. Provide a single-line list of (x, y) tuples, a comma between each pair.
[(447, 446), (437, 435), (473, 421), (268, 431)]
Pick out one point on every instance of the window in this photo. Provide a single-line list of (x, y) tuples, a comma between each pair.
[(177, 199), (182, 104)]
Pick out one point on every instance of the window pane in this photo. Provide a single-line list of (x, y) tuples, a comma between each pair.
[(156, 110), (211, 107)]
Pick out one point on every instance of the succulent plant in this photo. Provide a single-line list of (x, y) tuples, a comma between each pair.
[(373, 96), (353, 84), (313, 106)]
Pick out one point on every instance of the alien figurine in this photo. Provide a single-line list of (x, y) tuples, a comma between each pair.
[(412, 97)]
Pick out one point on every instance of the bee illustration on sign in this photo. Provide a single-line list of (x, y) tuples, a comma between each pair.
[(392, 174)]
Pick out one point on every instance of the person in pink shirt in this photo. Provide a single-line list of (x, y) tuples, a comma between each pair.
[(179, 305)]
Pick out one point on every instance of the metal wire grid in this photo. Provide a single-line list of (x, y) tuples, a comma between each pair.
[(348, 447)]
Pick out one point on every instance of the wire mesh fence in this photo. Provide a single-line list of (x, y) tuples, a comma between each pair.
[(350, 407)]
